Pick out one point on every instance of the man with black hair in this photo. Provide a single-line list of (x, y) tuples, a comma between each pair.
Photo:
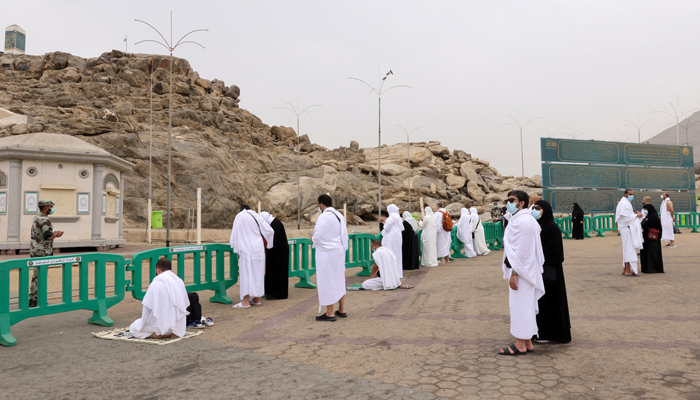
[(164, 313), (330, 240)]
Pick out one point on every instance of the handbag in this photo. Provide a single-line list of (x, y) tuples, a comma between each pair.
[(549, 274), (653, 234)]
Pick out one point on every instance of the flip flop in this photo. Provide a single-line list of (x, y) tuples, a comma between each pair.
[(255, 304), (515, 352), (405, 286), (240, 305)]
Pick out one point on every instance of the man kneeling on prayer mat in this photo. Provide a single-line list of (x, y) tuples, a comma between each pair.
[(384, 275), (165, 305)]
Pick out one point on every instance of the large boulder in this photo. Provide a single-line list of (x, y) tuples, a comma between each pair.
[(456, 181), (468, 170), (283, 133)]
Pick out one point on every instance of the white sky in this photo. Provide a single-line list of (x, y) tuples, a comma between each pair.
[(582, 64)]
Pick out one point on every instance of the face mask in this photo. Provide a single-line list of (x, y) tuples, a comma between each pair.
[(662, 197), (630, 198), (645, 212), (512, 208), (51, 211), (319, 209), (536, 214)]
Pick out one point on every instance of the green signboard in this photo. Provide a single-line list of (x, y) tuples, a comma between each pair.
[(616, 177), (605, 201), (595, 152)]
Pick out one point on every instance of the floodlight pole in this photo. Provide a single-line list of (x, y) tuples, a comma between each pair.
[(574, 133), (677, 113), (550, 133), (408, 158), (518, 124), (379, 92), (638, 125), (298, 113), (170, 47), (687, 125)]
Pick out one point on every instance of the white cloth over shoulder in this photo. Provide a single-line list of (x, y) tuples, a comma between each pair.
[(523, 249), (411, 221), (391, 236), (247, 234), (630, 232), (164, 308), (444, 238), (480, 247), (388, 276), (666, 222), (464, 233), (428, 239), (267, 217), (331, 242)]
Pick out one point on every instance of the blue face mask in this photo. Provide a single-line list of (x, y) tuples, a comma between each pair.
[(512, 208), (51, 211), (630, 198), (536, 214), (645, 212)]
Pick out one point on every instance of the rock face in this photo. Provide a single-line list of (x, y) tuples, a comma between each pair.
[(227, 151)]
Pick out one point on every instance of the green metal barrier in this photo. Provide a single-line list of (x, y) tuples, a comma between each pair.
[(604, 223), (494, 234), (588, 226), (456, 245), (565, 226), (359, 252), (98, 303), (219, 284), (688, 220), (420, 247), (302, 262)]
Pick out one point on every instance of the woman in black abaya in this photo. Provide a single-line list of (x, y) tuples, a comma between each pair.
[(276, 261), (409, 245), (553, 319), (650, 255), (577, 222)]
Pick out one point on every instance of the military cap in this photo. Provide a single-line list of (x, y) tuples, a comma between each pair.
[(44, 203)]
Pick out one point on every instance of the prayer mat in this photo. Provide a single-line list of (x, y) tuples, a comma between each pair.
[(124, 335), (358, 286)]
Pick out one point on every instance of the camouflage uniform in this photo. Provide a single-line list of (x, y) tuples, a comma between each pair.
[(496, 213), (40, 247)]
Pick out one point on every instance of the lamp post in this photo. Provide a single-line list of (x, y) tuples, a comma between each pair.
[(518, 124), (677, 113), (574, 134), (408, 158), (170, 47), (686, 126), (296, 110), (550, 133), (379, 91), (638, 125)]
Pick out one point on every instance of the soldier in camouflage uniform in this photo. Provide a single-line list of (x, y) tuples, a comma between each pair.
[(41, 242), (496, 212)]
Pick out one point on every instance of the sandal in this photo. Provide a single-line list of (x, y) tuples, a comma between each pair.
[(405, 286), (240, 305), (513, 351)]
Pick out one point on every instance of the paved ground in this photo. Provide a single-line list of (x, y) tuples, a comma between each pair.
[(633, 338)]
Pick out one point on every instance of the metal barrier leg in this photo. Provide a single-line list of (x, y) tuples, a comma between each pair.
[(99, 316), (305, 281), (220, 295)]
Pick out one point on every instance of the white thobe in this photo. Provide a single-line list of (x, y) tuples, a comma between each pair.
[(523, 249), (464, 233), (388, 276), (630, 232), (391, 236), (164, 308), (666, 223), (331, 242), (428, 238), (444, 238), (247, 234), (479, 242)]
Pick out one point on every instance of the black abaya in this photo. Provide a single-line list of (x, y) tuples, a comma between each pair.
[(409, 247), (277, 264), (650, 255), (576, 222), (553, 318)]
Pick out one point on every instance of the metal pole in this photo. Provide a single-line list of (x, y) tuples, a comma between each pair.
[(199, 215), (150, 142), (408, 164), (379, 172), (298, 177), (522, 161), (170, 135), (678, 135)]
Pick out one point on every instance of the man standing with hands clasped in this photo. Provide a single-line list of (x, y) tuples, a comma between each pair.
[(41, 244), (667, 220), (522, 268)]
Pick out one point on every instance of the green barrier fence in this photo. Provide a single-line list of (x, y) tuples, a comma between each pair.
[(588, 226), (493, 232), (456, 245), (359, 252), (98, 301), (604, 223), (214, 262), (302, 262), (688, 220), (565, 226)]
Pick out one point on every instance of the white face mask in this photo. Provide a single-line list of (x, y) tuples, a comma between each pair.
[(319, 209), (662, 197)]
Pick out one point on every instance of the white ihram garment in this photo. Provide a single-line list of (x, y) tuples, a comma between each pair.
[(247, 242), (391, 236), (164, 308), (428, 238), (480, 247), (444, 238), (523, 249), (464, 233), (666, 223), (630, 232), (331, 242), (388, 273)]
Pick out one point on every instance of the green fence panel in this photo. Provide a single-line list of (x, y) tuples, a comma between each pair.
[(420, 247), (302, 262), (359, 252), (588, 226), (98, 301), (456, 245), (214, 263), (604, 223), (565, 226), (493, 231), (688, 220)]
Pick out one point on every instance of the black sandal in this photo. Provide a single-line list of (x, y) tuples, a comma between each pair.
[(514, 349)]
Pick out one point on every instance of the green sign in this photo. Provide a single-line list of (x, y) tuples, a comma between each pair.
[(616, 177), (596, 152), (605, 201)]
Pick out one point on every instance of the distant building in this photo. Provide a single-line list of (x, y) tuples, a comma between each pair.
[(15, 40)]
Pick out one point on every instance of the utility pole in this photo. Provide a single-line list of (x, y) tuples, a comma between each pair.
[(518, 124)]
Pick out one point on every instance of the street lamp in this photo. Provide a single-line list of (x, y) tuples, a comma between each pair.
[(408, 158), (574, 134), (379, 91), (518, 124), (638, 125), (677, 114), (298, 113), (550, 133), (687, 125), (170, 47)]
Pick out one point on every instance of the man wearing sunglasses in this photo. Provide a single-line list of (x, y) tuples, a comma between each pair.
[(522, 268)]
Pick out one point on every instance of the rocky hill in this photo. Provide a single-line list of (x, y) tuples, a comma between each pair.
[(227, 151), (689, 136)]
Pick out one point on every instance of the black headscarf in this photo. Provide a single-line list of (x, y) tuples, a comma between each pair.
[(651, 210), (652, 220), (547, 214)]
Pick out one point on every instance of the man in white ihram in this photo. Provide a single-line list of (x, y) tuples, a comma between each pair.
[(429, 239), (630, 232), (479, 242), (331, 242), (667, 220), (250, 236), (464, 233), (385, 267), (444, 238), (391, 236), (522, 268), (164, 313)]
